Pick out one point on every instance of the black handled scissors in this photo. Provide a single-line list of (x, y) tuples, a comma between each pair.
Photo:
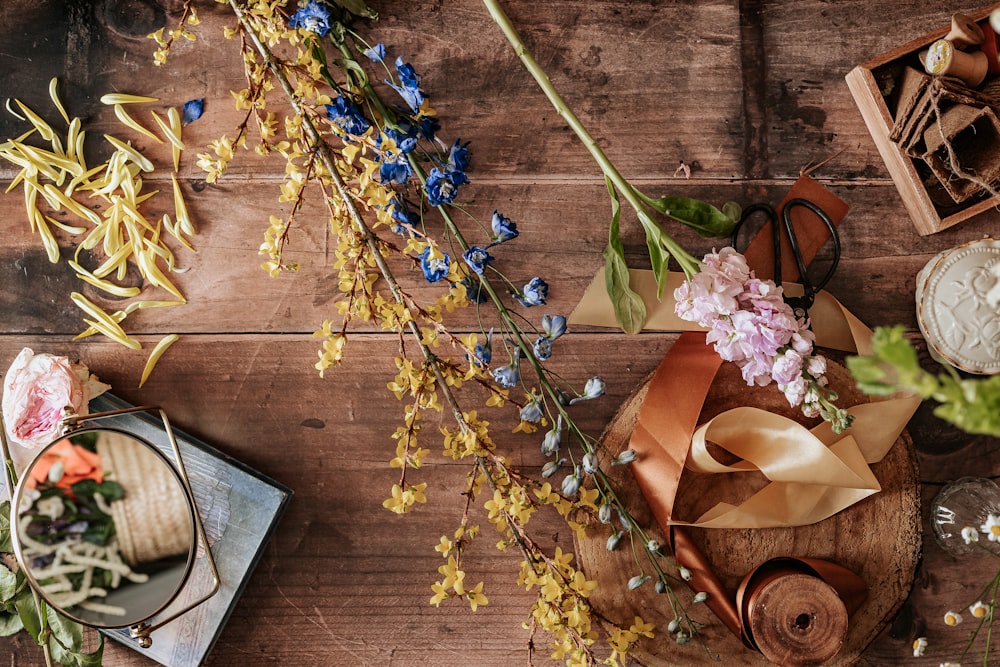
[(805, 301)]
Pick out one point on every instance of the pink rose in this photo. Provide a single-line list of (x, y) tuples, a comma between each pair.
[(36, 390)]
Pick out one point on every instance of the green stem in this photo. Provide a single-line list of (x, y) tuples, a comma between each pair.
[(632, 196)]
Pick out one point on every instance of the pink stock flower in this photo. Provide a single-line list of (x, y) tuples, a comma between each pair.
[(37, 389), (750, 324)]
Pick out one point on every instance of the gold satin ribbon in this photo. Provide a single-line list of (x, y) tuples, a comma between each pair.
[(835, 327)]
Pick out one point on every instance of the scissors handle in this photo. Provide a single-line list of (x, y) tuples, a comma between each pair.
[(809, 291), (805, 301)]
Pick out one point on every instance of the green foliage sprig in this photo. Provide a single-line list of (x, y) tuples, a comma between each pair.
[(971, 404)]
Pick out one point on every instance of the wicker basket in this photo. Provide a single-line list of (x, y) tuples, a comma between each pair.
[(153, 520)]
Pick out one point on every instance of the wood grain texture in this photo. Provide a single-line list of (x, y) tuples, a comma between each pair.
[(746, 92)]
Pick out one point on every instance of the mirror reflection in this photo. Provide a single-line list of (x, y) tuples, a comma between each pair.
[(104, 527)]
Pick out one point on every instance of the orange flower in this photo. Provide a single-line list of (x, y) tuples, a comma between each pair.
[(78, 464)]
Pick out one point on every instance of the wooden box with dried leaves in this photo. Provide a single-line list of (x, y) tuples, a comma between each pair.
[(880, 89)]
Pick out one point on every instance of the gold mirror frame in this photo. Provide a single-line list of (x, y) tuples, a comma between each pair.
[(142, 629)]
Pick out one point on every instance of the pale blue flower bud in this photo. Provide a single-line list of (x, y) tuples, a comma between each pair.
[(551, 442), (593, 389), (604, 513), (660, 586), (652, 546), (673, 625), (637, 581), (613, 541), (701, 596), (590, 465), (551, 467), (571, 484), (625, 458)]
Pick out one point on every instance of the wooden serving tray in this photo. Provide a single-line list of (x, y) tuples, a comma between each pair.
[(878, 538)]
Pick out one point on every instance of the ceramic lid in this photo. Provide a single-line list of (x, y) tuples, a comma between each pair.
[(958, 306)]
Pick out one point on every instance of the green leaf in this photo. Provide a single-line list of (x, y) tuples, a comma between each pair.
[(659, 256), (700, 216), (68, 658), (85, 488), (8, 583), (111, 490), (68, 633), (26, 609), (630, 311), (10, 624), (358, 8)]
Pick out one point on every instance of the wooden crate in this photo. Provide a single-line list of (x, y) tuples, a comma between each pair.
[(930, 211)]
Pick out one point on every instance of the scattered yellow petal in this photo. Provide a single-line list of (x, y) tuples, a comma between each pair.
[(134, 124), (155, 355), (54, 94), (124, 98)]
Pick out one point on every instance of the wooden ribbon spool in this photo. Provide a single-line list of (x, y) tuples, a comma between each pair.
[(878, 538), (797, 620)]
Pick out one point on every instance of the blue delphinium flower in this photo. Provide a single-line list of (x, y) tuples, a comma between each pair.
[(458, 156), (477, 258), (345, 113), (395, 170), (484, 351), (434, 268), (553, 326), (593, 389), (406, 221), (405, 139), (314, 17), (442, 186), (376, 53), (503, 229), (409, 85), (192, 110), (533, 294), (474, 291), (532, 411), (542, 348), (508, 376)]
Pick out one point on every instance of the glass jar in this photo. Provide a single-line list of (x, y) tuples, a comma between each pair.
[(966, 502)]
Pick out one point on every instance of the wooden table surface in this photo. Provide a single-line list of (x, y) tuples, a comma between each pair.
[(746, 92)]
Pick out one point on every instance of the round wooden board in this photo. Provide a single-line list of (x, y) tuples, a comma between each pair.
[(878, 538)]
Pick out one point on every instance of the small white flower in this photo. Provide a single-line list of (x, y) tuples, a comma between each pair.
[(700, 597), (652, 546), (952, 618), (970, 534), (950, 664), (28, 497), (673, 625), (685, 573), (57, 471), (979, 610), (919, 646), (51, 507), (992, 527), (637, 581)]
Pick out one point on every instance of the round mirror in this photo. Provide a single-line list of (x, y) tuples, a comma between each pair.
[(105, 530)]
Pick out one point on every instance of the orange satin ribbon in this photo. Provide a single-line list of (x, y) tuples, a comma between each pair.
[(662, 440)]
